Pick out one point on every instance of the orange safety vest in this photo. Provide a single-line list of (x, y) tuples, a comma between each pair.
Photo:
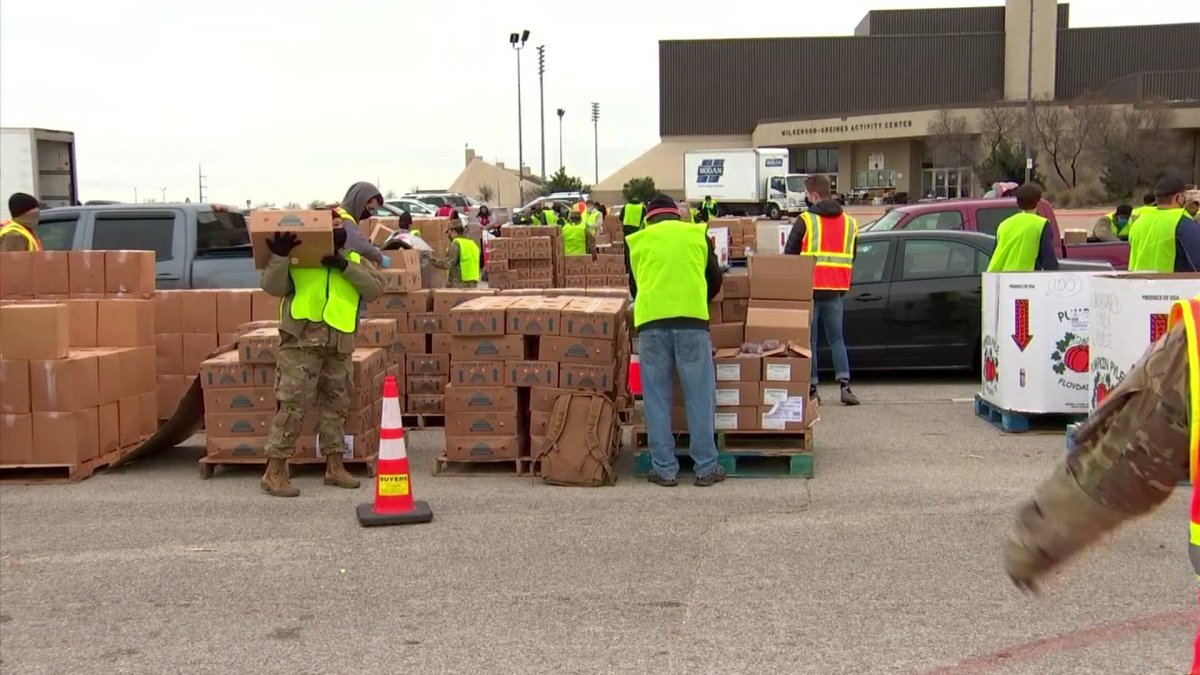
[(1188, 312), (831, 242), (10, 226)]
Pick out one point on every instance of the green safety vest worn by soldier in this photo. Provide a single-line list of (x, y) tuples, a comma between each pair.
[(468, 259), (549, 217), (709, 207), (668, 261), (1152, 241), (1122, 231), (694, 214), (1018, 240), (592, 219), (575, 239), (632, 214), (324, 296)]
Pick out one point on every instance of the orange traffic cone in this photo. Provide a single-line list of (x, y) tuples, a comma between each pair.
[(394, 503)]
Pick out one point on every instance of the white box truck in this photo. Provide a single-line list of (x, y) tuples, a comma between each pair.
[(40, 162), (744, 181)]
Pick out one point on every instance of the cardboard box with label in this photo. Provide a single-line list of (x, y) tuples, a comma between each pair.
[(426, 404), (536, 316), (480, 316), (467, 398), (477, 373), (376, 333), (531, 374), (482, 448), (735, 285), (576, 350), (719, 238), (1036, 341), (741, 418), (427, 322), (735, 394), (593, 377), (482, 423), (313, 228), (596, 318), (732, 366), (259, 346), (494, 348), (225, 371), (1128, 313), (401, 280)]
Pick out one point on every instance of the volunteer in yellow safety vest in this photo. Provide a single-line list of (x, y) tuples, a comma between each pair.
[(828, 235), (633, 216), (674, 275), (708, 208), (1113, 226), (462, 259), (1166, 239), (592, 217), (18, 234), (1149, 203), (318, 319), (1140, 443), (577, 238), (360, 203), (1025, 240)]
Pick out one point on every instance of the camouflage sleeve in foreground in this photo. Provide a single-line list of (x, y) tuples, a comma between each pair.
[(1128, 459), (275, 278), (367, 280)]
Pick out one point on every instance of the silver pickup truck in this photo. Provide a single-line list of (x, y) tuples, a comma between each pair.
[(195, 245)]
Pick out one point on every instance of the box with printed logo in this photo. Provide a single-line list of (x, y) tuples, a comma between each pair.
[(480, 316)]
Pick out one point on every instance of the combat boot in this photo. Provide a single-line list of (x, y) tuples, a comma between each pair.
[(275, 481), (336, 474)]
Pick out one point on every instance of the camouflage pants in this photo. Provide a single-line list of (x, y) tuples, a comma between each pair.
[(308, 377)]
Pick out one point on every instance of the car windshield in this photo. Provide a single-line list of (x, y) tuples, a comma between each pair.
[(795, 183), (887, 223), (456, 200)]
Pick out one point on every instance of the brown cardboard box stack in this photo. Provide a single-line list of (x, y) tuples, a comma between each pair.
[(513, 355), (428, 350), (526, 256), (606, 270), (743, 234)]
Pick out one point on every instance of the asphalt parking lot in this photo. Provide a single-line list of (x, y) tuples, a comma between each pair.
[(887, 561)]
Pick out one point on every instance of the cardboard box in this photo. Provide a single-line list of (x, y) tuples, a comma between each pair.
[(236, 400), (401, 280), (234, 308), (426, 404), (83, 323), (541, 399), (468, 398), (784, 325), (1128, 313), (129, 273), (35, 331), (14, 387), (51, 274), (792, 416), (376, 333), (427, 322), (224, 371), (576, 350), (428, 364), (587, 376), (731, 367), (198, 312), (243, 446), (263, 306), (148, 408), (480, 316), (736, 394), (258, 346), (86, 270), (65, 437), (734, 310), (482, 448), (399, 303), (124, 323), (16, 275), (482, 423), (741, 418), (419, 384), (447, 299), (502, 348), (1072, 237), (714, 313), (727, 335), (781, 277), (1036, 331), (531, 373), (592, 318), (111, 376), (314, 228), (168, 311), (416, 343), (787, 369), (477, 373), (195, 349), (232, 425), (719, 237), (535, 315), (368, 362), (171, 389), (799, 305), (380, 234), (108, 428), (735, 285), (168, 350), (16, 438), (137, 369)]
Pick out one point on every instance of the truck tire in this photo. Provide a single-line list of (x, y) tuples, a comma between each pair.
[(774, 212)]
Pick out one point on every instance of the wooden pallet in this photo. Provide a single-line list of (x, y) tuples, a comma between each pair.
[(743, 454), (425, 421), (208, 465), (483, 467), (789, 442), (1012, 422), (39, 474)]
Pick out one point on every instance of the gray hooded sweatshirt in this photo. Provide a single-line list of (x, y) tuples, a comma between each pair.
[(355, 203)]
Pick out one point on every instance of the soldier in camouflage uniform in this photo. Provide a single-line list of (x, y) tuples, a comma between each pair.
[(318, 321), (462, 259), (1129, 457)]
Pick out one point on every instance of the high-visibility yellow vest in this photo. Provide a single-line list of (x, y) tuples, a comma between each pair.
[(32, 243), (549, 217), (575, 239), (468, 259), (1141, 211), (831, 242), (1188, 312), (1122, 231), (710, 207), (1018, 240), (592, 219), (324, 295), (1152, 241), (668, 260), (694, 215), (632, 214)]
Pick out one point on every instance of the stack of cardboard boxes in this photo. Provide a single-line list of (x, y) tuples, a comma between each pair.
[(606, 270), (429, 368), (525, 257), (743, 234)]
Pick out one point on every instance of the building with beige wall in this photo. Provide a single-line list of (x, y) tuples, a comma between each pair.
[(505, 183), (867, 124)]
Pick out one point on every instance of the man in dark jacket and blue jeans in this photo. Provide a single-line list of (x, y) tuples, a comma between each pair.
[(834, 253)]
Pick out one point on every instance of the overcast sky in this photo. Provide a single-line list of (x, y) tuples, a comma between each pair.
[(294, 100)]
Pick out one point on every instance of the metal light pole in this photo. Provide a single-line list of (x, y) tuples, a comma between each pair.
[(1029, 101), (596, 138), (542, 100), (518, 40), (561, 112)]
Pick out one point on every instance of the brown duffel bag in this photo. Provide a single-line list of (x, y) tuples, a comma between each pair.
[(582, 441)]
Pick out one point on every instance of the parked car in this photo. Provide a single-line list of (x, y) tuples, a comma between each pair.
[(985, 215), (915, 299), (466, 206), (195, 245), (416, 209)]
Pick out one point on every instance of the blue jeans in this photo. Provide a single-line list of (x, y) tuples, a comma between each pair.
[(827, 316), (688, 350)]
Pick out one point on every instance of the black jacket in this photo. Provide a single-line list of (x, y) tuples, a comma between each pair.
[(712, 276), (826, 208)]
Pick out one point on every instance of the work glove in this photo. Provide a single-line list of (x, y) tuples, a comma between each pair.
[(282, 243), (336, 262)]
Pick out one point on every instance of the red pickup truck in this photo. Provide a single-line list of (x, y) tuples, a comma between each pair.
[(985, 215)]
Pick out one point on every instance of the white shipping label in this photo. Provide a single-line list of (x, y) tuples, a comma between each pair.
[(769, 422), (729, 372), (348, 454), (788, 410), (725, 421), (779, 372), (773, 396), (729, 397)]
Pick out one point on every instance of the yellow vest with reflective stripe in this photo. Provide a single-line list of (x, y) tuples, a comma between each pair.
[(575, 239), (1188, 312), (468, 259), (32, 243), (323, 295), (668, 259)]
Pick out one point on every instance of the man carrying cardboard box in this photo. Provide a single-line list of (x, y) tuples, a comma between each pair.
[(462, 259), (360, 202), (674, 276), (17, 234), (318, 318), (825, 232)]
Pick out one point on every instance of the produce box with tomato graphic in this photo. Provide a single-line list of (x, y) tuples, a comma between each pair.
[(1129, 312), (1035, 349)]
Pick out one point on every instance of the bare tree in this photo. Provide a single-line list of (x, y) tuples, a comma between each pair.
[(316, 204), (1140, 148), (292, 205), (264, 205), (1071, 135), (999, 124), (485, 192), (951, 140), (390, 194)]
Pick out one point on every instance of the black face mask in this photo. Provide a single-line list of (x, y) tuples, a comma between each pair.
[(339, 238)]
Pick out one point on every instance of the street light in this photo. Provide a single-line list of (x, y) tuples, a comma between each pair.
[(542, 100), (1029, 101), (561, 112), (518, 40), (596, 138)]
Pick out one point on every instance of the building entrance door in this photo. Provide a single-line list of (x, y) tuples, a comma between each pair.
[(948, 183)]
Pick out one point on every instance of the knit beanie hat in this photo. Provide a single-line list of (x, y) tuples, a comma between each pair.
[(662, 205)]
